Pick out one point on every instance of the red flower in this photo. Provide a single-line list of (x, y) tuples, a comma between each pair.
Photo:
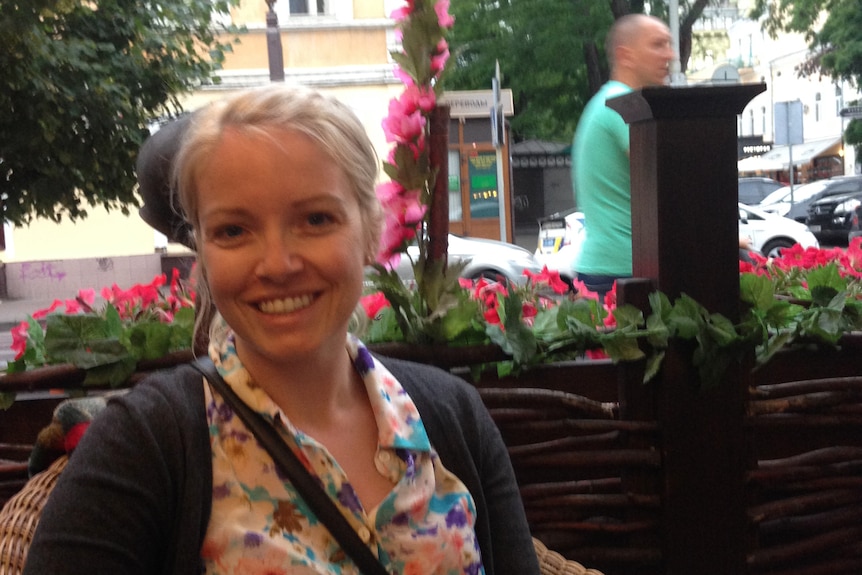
[(19, 339), (373, 303), (550, 278), (43, 313)]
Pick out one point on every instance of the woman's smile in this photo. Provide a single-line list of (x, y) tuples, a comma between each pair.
[(286, 305)]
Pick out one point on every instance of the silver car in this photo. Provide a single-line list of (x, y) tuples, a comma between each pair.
[(488, 259)]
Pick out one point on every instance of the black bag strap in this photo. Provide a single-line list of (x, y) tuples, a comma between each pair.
[(306, 484)]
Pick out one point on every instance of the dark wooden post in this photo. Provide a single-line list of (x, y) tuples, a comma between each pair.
[(438, 158), (685, 239)]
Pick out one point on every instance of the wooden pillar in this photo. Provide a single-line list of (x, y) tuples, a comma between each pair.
[(685, 240)]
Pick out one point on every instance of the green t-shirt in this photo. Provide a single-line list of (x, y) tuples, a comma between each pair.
[(602, 183)]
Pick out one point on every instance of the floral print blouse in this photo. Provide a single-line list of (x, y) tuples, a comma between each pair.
[(259, 524)]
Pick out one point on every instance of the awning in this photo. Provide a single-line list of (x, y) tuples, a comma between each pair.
[(778, 158), (759, 164)]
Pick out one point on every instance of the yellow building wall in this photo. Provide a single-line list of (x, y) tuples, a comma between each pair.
[(313, 49), (102, 234), (308, 43)]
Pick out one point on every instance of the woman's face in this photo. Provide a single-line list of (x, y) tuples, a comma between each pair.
[(282, 241)]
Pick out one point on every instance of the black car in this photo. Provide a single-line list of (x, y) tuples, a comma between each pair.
[(833, 218), (753, 190), (778, 202)]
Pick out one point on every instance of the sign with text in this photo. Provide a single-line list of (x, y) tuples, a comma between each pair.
[(476, 103)]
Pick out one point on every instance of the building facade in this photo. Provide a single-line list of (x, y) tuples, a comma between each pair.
[(338, 46)]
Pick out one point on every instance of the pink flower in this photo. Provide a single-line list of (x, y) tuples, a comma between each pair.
[(88, 296), (402, 13), (444, 19), (400, 127), (405, 78), (388, 192), (438, 61), (416, 97)]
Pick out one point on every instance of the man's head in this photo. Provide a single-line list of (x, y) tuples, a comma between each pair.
[(639, 50)]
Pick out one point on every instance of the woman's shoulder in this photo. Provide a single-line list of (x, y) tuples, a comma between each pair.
[(175, 393), (434, 390), (427, 377)]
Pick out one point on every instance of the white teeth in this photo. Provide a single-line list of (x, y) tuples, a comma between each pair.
[(285, 305)]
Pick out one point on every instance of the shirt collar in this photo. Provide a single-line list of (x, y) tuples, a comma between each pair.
[(398, 422)]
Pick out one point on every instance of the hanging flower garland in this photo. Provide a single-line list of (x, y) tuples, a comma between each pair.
[(421, 28)]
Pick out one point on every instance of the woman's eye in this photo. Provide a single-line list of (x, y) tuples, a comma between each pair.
[(319, 219), (229, 232)]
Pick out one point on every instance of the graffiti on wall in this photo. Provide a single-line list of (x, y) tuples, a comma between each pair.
[(40, 271)]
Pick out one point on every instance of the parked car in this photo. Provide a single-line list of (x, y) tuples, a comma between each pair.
[(560, 237), (561, 234), (833, 218), (770, 233), (855, 226), (754, 190), (779, 201), (490, 259)]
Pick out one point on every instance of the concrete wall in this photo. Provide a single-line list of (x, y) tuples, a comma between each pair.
[(62, 279)]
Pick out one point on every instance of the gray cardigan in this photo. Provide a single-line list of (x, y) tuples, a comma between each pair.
[(136, 495)]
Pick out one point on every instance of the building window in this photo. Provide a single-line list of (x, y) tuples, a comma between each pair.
[(456, 213), (839, 100), (817, 107), (292, 8), (751, 122), (762, 120)]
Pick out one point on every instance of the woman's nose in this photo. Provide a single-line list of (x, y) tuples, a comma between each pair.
[(279, 257)]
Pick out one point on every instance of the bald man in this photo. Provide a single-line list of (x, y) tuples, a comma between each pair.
[(639, 50)]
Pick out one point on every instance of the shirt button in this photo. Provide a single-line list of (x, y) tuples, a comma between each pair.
[(364, 534)]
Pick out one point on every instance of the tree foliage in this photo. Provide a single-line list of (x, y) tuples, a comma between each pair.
[(81, 82), (833, 29), (551, 54), (540, 45), (853, 132)]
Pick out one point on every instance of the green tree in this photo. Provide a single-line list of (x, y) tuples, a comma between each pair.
[(81, 82), (835, 42), (853, 132), (540, 45)]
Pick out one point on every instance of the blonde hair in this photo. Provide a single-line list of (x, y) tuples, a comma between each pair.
[(327, 121)]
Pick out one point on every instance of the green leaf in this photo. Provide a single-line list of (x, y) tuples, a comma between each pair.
[(686, 318), (114, 374), (149, 340), (756, 290), (653, 365), (722, 330), (6, 400), (383, 328)]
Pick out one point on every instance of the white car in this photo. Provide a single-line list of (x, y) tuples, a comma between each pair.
[(489, 259), (561, 235), (560, 238), (769, 233)]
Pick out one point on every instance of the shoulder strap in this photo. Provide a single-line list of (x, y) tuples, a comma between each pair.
[(307, 485)]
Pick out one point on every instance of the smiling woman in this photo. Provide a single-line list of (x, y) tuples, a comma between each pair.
[(277, 187)]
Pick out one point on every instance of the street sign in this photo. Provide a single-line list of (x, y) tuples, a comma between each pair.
[(787, 121), (851, 112)]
